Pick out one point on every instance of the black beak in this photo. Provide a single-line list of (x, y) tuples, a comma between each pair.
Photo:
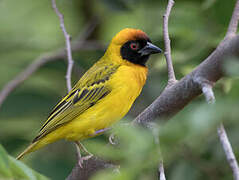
[(149, 49)]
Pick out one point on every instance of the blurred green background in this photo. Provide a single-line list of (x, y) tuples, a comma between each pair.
[(188, 142)]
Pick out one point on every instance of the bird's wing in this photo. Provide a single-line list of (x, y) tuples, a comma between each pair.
[(91, 88)]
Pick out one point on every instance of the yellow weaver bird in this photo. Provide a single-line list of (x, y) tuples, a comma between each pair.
[(103, 95)]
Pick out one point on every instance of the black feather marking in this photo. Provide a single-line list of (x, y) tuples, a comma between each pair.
[(76, 98), (89, 94), (73, 92), (92, 104), (96, 89), (102, 80), (132, 55), (98, 82), (36, 138), (61, 104), (49, 119), (56, 108), (103, 95)]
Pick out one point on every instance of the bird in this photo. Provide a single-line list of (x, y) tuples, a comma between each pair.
[(103, 95)]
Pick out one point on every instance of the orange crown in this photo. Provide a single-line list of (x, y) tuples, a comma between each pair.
[(129, 34)]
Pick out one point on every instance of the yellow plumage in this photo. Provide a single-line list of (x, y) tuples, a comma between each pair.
[(101, 97)]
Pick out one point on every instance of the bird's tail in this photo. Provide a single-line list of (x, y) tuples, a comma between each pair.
[(32, 147)]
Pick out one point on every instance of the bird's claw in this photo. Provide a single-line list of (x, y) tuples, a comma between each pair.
[(112, 139), (84, 158)]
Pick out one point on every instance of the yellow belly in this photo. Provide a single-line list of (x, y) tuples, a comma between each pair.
[(98, 117)]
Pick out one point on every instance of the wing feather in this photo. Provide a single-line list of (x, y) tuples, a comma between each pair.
[(85, 94)]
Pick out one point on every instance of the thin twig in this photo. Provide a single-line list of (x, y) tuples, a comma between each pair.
[(167, 53), (171, 74), (161, 171), (206, 87), (232, 28), (228, 151), (68, 45), (208, 93)]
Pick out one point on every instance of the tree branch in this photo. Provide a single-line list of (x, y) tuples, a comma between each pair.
[(68, 45), (90, 166), (228, 151), (167, 53), (176, 97), (232, 28)]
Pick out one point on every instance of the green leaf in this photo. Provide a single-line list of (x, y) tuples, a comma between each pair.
[(10, 168), (4, 164)]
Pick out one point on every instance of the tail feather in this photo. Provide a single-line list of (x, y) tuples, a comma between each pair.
[(29, 149), (40, 142)]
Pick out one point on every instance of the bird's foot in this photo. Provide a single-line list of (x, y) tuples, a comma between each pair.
[(112, 139), (84, 158)]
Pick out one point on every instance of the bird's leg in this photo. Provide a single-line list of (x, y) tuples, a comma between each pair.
[(80, 162), (101, 131), (80, 158), (80, 148)]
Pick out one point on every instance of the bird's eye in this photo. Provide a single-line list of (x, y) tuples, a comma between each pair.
[(134, 46)]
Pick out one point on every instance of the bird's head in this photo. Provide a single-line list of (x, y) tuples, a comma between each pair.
[(132, 45)]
